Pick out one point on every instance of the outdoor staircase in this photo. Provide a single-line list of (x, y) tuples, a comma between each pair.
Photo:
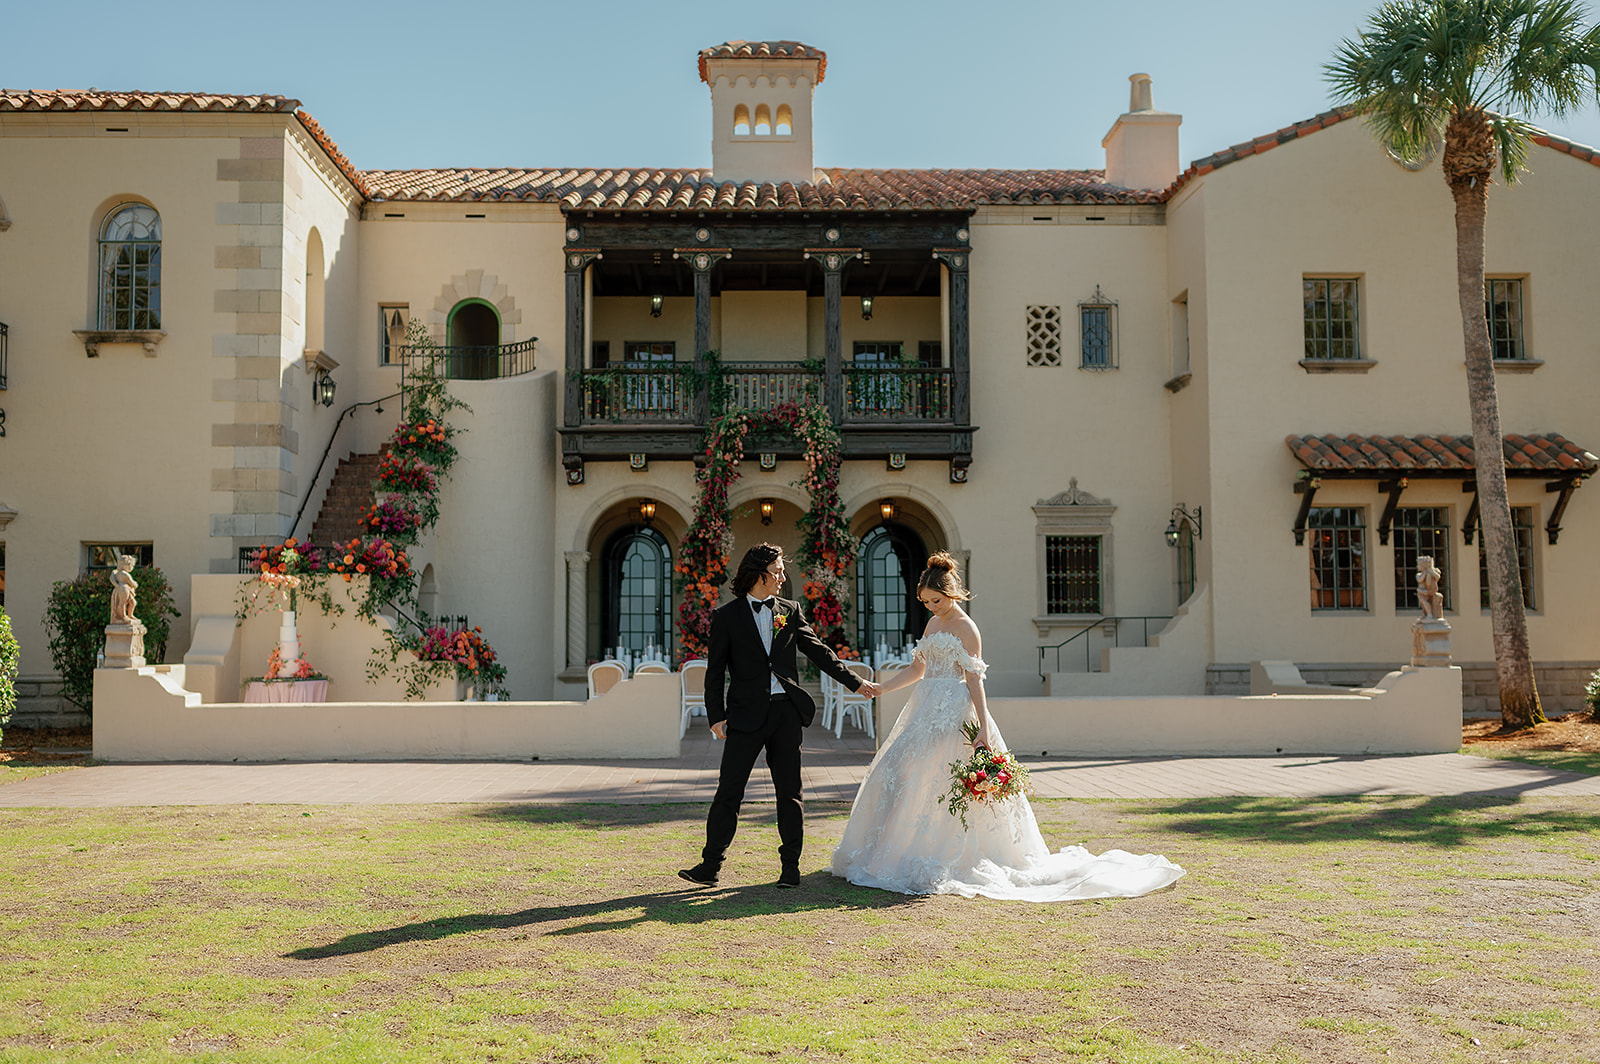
[(349, 495)]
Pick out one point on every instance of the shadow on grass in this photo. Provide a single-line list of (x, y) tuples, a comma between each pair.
[(1454, 820), (1564, 760), (819, 892), (600, 816)]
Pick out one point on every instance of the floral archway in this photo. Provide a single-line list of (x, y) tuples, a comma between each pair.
[(826, 545)]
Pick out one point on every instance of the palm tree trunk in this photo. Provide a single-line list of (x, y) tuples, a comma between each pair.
[(1519, 696)]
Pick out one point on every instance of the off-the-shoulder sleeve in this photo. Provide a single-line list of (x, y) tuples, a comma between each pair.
[(976, 666)]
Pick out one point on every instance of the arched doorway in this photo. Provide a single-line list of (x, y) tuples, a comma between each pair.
[(887, 610), (636, 590), (473, 333)]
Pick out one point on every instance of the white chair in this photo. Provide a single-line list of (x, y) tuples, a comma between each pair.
[(854, 704), (604, 675), (830, 701), (653, 665), (692, 680)]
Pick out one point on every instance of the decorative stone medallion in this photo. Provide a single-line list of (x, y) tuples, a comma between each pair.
[(702, 261), (574, 261), (702, 235), (573, 234), (962, 234), (832, 235), (833, 262)]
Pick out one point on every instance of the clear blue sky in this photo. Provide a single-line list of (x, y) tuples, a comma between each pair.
[(930, 83)]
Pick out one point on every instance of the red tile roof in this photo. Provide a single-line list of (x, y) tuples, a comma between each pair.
[(1260, 144), (1539, 453), (1572, 148), (325, 142), (764, 50), (832, 189), (95, 100)]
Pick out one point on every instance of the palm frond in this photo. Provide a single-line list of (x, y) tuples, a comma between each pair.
[(1512, 136)]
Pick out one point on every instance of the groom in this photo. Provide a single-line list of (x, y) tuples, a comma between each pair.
[(753, 644)]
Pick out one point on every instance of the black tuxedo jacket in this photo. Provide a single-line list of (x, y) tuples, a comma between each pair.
[(737, 656)]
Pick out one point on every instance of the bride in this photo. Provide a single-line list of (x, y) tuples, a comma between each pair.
[(901, 837)]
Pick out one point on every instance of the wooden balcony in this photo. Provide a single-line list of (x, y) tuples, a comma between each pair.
[(657, 410)]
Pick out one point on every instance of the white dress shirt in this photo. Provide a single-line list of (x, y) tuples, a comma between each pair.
[(763, 617)]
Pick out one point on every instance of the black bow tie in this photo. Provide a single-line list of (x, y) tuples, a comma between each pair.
[(760, 604)]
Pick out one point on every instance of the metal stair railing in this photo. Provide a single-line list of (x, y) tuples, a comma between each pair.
[(1114, 623)]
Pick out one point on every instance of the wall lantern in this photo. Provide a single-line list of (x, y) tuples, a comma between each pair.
[(766, 511), (887, 508), (1180, 514), (647, 511), (655, 306), (323, 388), (866, 308)]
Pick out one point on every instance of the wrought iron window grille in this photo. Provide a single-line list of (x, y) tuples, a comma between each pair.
[(1097, 318)]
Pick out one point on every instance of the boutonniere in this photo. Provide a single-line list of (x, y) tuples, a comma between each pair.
[(779, 621)]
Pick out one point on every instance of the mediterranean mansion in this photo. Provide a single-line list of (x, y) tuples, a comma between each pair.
[(1212, 412)]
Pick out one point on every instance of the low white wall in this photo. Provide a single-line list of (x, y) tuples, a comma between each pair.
[(1174, 662), (148, 715), (1413, 711)]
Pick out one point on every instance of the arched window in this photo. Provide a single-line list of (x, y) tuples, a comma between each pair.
[(785, 120), (130, 268), (886, 587), (741, 120), (763, 120), (474, 336), (636, 595)]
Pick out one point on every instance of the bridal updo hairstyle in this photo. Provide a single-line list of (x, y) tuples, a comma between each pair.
[(943, 576), (753, 566)]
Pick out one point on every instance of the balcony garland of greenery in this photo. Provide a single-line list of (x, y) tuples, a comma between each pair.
[(826, 546)]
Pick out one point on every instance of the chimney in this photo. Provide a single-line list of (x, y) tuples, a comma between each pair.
[(1142, 147), (761, 108)]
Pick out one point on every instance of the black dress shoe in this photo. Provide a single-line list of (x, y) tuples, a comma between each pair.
[(701, 875), (789, 877)]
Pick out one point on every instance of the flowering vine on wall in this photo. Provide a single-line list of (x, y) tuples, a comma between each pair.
[(826, 545)]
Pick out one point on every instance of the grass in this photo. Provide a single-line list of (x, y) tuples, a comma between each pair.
[(1305, 931), (1565, 760)]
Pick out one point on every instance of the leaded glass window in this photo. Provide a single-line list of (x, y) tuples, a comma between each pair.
[(886, 604), (130, 268), (1522, 532), (1332, 317), (638, 590), (1420, 531), (1338, 558), (1072, 574), (1503, 312)]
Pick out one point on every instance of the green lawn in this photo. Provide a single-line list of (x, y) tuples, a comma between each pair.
[(1385, 929), (1567, 761)]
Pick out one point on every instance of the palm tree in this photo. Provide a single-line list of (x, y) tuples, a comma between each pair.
[(1461, 72)]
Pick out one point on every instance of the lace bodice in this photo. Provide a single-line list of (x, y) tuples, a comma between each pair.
[(946, 658)]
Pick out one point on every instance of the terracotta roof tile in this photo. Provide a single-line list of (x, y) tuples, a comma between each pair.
[(325, 142), (764, 50), (1577, 151), (830, 189), (95, 100), (1258, 145), (1542, 452)]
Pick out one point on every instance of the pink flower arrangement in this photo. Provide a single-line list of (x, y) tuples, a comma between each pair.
[(377, 558), (986, 776), (406, 473), (393, 516), (303, 669)]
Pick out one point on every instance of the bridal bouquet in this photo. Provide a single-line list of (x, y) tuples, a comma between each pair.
[(986, 776)]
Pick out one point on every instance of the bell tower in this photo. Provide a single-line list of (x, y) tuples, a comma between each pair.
[(761, 108)]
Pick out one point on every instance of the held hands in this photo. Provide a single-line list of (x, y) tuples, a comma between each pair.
[(870, 688)]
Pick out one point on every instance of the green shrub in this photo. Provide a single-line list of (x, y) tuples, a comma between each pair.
[(76, 616), (1591, 694), (9, 654)]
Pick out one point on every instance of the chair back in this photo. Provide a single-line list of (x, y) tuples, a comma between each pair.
[(860, 668), (604, 675), (651, 666), (693, 677)]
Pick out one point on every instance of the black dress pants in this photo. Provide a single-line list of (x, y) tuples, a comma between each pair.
[(780, 735)]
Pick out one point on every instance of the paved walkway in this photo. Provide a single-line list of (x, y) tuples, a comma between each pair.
[(833, 770)]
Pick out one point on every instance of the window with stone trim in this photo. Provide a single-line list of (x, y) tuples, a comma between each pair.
[(130, 269), (106, 555), (1073, 534), (1338, 538), (1502, 306), (1097, 321), (1522, 532), (1332, 317), (1044, 336), (1416, 532)]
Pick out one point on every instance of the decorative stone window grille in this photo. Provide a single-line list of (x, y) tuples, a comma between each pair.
[(1420, 531), (1072, 531), (1332, 317), (130, 269), (1502, 299), (1097, 318), (1522, 532), (1338, 538), (1044, 336)]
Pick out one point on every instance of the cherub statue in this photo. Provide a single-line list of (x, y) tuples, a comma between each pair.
[(1428, 595), (122, 591)]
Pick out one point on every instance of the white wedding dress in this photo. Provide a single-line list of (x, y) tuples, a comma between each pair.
[(901, 835)]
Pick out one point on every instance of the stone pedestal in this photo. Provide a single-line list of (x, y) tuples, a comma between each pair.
[(1430, 642), (124, 646)]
